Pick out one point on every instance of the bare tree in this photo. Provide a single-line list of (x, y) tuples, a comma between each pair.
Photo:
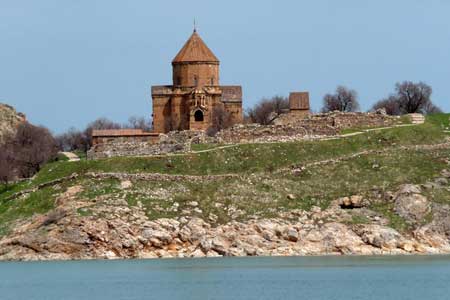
[(267, 110), (390, 104), (101, 123), (430, 108), (409, 97), (6, 168), (413, 97), (139, 123), (344, 99), (75, 139), (30, 149), (221, 119), (72, 140)]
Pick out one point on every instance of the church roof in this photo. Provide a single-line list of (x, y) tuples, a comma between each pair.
[(195, 50)]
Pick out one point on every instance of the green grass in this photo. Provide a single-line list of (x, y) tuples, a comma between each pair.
[(439, 120), (261, 192), (39, 202), (441, 196), (61, 157), (266, 195), (99, 187), (395, 221), (248, 158), (241, 159), (358, 219), (81, 154)]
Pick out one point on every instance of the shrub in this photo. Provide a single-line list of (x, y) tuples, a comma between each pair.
[(267, 110), (23, 154), (344, 99), (409, 97)]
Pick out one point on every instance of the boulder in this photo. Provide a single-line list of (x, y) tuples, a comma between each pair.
[(205, 245), (355, 201), (220, 245), (408, 189), (197, 253), (291, 235), (157, 237), (410, 204), (194, 230), (441, 219), (379, 236), (213, 253), (441, 181), (432, 237), (235, 251), (445, 173), (126, 184)]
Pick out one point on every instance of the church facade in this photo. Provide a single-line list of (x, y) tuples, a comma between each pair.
[(195, 100)]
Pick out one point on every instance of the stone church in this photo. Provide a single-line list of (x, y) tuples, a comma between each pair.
[(196, 98)]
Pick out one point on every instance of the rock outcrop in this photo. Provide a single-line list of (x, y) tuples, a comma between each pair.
[(111, 229), (411, 204), (9, 120)]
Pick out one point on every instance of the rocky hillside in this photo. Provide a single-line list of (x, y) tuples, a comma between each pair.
[(9, 120), (379, 192)]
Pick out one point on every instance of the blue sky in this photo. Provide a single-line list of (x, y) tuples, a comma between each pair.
[(65, 63)]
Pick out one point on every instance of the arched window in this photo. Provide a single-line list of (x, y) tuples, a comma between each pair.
[(178, 80), (195, 80), (212, 80), (198, 116)]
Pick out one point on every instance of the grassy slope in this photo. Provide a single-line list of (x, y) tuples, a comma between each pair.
[(257, 195)]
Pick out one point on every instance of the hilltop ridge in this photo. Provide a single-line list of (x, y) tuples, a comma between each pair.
[(383, 191)]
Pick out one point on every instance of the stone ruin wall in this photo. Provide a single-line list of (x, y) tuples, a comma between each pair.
[(287, 128), (173, 142), (290, 127)]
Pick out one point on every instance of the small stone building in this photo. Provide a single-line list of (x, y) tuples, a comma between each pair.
[(299, 104), (195, 99)]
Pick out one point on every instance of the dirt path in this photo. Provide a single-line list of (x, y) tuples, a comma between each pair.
[(312, 139), (328, 138), (176, 177), (71, 156), (301, 167)]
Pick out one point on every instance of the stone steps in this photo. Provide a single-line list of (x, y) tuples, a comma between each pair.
[(417, 118)]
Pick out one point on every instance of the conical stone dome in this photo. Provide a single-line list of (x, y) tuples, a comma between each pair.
[(195, 50)]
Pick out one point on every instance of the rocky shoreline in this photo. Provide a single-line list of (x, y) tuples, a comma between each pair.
[(115, 230)]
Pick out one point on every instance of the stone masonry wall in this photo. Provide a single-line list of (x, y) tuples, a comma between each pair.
[(173, 142), (287, 129), (290, 127)]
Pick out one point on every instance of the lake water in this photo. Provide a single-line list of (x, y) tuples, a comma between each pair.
[(327, 278)]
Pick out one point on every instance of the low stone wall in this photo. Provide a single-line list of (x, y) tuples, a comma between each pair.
[(160, 177), (173, 142), (339, 120), (271, 133), (290, 127), (358, 119)]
